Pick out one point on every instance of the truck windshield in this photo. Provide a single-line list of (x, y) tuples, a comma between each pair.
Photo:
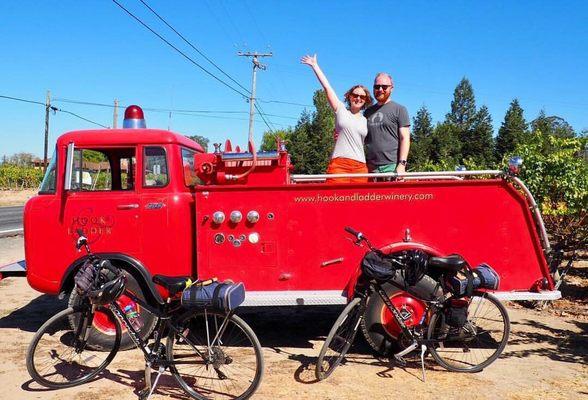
[(50, 178)]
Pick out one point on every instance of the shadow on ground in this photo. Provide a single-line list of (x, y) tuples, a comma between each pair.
[(561, 344), (30, 317)]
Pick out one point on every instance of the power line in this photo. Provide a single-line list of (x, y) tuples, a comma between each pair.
[(23, 100), (53, 108), (80, 117), (172, 110), (285, 102), (178, 50), (192, 46)]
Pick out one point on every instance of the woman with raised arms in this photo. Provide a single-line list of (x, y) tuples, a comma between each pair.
[(350, 126)]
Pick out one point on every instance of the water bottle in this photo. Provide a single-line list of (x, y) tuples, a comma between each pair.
[(133, 317)]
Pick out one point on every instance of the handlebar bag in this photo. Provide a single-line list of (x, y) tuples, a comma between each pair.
[(376, 266), (223, 296), (84, 278)]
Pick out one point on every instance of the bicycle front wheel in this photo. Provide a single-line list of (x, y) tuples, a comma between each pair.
[(478, 343), (215, 356), (60, 356), (339, 340)]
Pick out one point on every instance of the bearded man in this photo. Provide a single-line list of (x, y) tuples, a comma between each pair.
[(388, 138)]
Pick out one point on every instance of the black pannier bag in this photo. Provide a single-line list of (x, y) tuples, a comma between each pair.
[(375, 265), (481, 277), (456, 315), (223, 296)]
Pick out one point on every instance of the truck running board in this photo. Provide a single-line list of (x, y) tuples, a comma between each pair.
[(336, 297)]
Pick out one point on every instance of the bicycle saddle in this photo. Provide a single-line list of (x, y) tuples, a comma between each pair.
[(173, 284), (452, 263)]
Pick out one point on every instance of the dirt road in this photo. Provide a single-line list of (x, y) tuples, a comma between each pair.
[(546, 358)]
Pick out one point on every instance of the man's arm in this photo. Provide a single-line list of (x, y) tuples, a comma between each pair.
[(404, 147)]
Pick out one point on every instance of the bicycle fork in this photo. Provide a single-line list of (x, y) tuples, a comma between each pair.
[(399, 357)]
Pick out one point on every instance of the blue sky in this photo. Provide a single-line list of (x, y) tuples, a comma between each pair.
[(92, 51)]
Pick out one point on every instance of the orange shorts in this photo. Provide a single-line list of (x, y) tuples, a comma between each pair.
[(341, 165)]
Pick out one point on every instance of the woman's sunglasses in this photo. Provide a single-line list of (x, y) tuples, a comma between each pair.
[(360, 96)]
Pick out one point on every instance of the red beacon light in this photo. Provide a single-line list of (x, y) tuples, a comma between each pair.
[(134, 118)]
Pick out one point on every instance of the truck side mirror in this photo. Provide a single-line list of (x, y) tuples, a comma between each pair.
[(69, 166)]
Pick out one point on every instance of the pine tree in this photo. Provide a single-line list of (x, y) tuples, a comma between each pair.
[(312, 140), (446, 145), (513, 130), (461, 118), (422, 136), (479, 145), (463, 106)]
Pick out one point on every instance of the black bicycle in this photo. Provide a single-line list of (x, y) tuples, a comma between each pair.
[(211, 352), (463, 327)]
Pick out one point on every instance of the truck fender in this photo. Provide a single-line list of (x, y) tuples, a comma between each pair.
[(133, 266), (389, 249)]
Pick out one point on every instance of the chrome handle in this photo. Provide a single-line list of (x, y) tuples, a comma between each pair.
[(127, 206)]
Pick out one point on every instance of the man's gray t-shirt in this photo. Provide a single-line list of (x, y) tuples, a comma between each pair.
[(384, 123)]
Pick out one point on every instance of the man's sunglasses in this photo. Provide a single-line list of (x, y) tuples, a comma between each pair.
[(360, 96), (383, 87)]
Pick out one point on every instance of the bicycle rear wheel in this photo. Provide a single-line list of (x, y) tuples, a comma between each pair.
[(340, 339), (215, 356), (478, 343), (60, 356)]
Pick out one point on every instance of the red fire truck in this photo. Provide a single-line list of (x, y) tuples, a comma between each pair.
[(155, 203)]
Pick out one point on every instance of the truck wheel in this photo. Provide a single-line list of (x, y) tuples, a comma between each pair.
[(378, 324), (104, 326)]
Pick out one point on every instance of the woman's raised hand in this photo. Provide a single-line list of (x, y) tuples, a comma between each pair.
[(309, 60)]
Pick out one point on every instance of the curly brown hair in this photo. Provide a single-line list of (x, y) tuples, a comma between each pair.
[(368, 102)]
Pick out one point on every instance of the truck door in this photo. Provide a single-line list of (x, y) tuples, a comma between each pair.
[(155, 203), (103, 201)]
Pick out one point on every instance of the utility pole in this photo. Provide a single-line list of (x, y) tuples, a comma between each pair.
[(47, 108), (256, 65), (115, 114)]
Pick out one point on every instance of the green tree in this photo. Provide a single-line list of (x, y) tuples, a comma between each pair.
[(478, 145), (201, 140), (422, 139), (556, 171), (552, 125), (463, 106), (513, 130), (461, 118), (268, 143), (311, 142), (446, 146)]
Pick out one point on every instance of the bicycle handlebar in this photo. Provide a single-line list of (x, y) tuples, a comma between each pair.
[(355, 233)]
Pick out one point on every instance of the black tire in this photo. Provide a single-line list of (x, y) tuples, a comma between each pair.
[(376, 333), (479, 343), (339, 340), (146, 320), (231, 370), (54, 361)]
